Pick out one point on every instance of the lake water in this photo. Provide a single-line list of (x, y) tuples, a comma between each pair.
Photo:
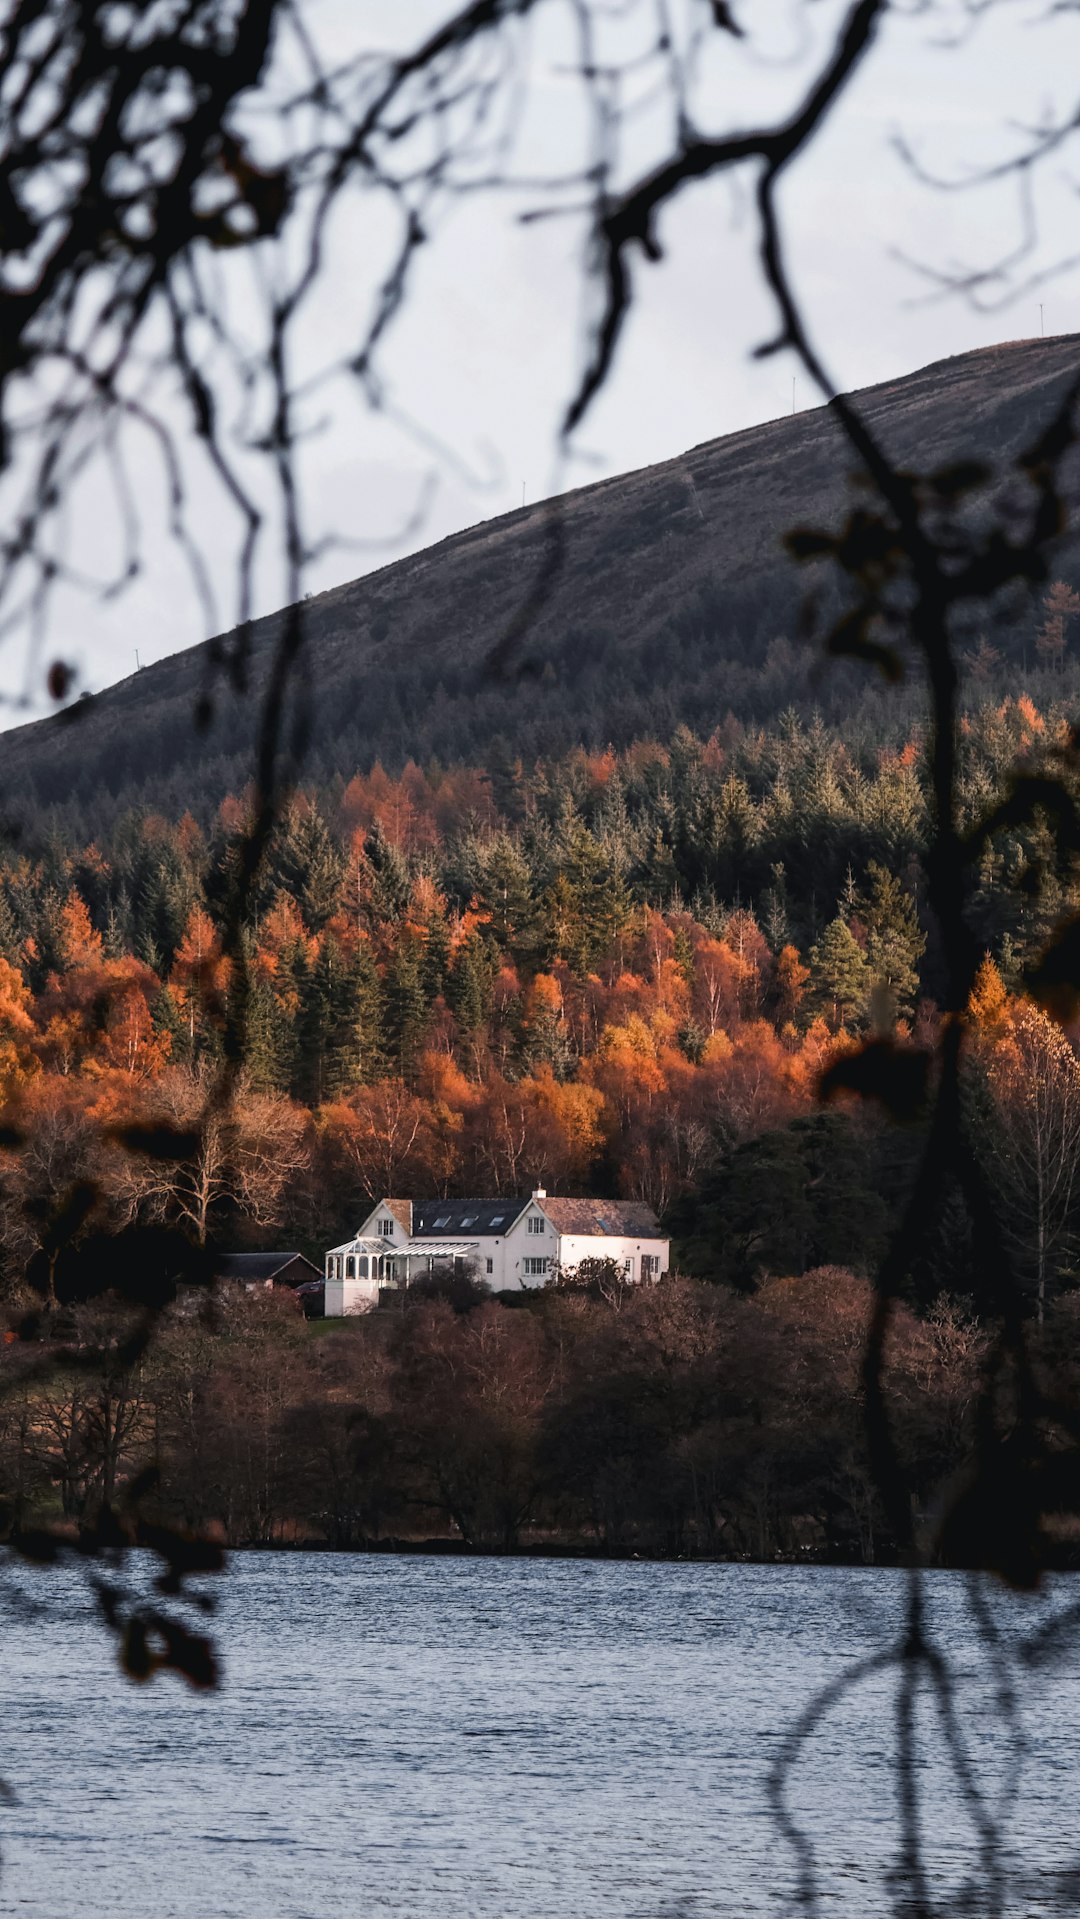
[(518, 1739)]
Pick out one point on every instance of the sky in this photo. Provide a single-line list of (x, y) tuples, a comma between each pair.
[(478, 369)]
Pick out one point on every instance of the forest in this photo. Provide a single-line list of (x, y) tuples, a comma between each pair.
[(645, 972), (612, 972)]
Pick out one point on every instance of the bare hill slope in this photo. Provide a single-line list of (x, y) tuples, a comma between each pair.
[(675, 603)]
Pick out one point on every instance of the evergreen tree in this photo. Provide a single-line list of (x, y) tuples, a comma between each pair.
[(339, 1040), (506, 895), (407, 1005), (269, 1041), (391, 886), (894, 942), (840, 981), (308, 864), (168, 1018), (774, 909), (363, 1047), (506, 774), (469, 983)]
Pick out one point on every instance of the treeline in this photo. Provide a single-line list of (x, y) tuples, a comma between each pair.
[(672, 1419), (675, 1419)]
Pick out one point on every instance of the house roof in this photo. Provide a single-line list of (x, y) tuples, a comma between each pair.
[(402, 1210), (603, 1218), (264, 1266), (471, 1218)]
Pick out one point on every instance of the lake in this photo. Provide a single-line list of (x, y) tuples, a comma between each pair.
[(423, 1738)]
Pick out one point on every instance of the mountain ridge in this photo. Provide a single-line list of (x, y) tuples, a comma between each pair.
[(673, 588)]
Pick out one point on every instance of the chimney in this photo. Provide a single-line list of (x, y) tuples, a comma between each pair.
[(539, 1192)]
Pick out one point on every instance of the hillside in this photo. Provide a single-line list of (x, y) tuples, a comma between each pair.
[(675, 603)]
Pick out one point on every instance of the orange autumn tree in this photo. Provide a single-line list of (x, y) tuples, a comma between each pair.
[(95, 1016), (18, 1032), (200, 976)]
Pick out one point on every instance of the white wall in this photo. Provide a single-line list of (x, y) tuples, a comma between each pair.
[(520, 1244), (574, 1247), (370, 1227), (345, 1296)]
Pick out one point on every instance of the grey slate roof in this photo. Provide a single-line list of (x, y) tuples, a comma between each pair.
[(617, 1218), (255, 1267), (466, 1218)]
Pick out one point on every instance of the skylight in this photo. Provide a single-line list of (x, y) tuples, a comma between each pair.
[(497, 1219), (469, 1219), (444, 1220)]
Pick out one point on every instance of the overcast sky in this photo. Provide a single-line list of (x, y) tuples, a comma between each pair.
[(488, 349)]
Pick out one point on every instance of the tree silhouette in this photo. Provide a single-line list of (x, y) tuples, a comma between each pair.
[(145, 149)]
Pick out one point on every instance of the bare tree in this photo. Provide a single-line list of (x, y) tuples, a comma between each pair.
[(1034, 1143), (152, 156), (244, 1153)]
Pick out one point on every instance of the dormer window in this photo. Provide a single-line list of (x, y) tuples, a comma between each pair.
[(386, 1228), (536, 1224)]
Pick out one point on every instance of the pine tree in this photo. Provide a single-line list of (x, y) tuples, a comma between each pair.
[(774, 909), (469, 983), (506, 774), (894, 942), (839, 974), (168, 1018), (363, 1049), (309, 865), (506, 895), (1060, 608), (269, 1041), (339, 1039), (391, 885), (407, 1005)]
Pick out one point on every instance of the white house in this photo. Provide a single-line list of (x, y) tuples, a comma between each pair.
[(511, 1244)]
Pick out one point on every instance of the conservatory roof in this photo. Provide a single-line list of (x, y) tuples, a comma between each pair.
[(437, 1248), (413, 1248)]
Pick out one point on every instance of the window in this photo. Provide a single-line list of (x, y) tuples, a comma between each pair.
[(535, 1268), (443, 1220), (469, 1219), (350, 1267), (650, 1265), (490, 1264), (496, 1220), (386, 1228), (536, 1224), (628, 1268), (361, 1268)]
